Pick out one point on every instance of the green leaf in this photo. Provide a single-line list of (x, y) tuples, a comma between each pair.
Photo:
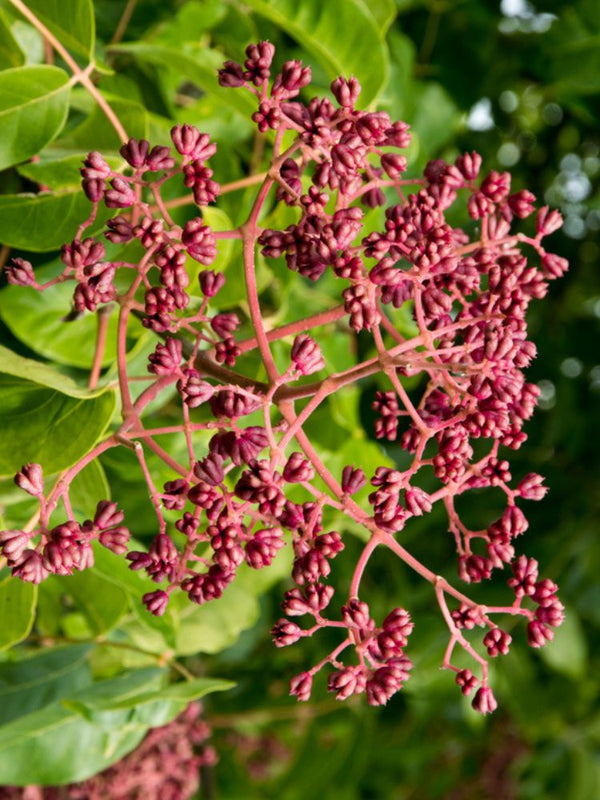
[(43, 374), (199, 66), (567, 652), (383, 12), (97, 133), (89, 486), (17, 610), (43, 222), (57, 744), (436, 119), (11, 54), (190, 21), (48, 427), (30, 683), (71, 21), (116, 570), (182, 693), (214, 626), (219, 221), (38, 319), (33, 109), (101, 602), (343, 37)]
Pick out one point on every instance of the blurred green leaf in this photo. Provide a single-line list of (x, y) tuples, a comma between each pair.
[(567, 652), (33, 109), (17, 610), (56, 744), (180, 693), (11, 54), (71, 21), (96, 132), (116, 570), (435, 120), (383, 12), (198, 65), (101, 602)]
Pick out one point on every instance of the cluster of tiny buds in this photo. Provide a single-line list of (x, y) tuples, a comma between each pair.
[(240, 501), (165, 766)]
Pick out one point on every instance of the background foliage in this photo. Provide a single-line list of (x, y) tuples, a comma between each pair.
[(516, 82)]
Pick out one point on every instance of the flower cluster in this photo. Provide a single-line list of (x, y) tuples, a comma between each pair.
[(261, 482)]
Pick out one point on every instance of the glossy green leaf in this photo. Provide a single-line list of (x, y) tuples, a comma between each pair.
[(11, 54), (57, 744), (33, 109), (343, 37), (30, 683), (46, 426), (43, 374), (17, 610), (71, 21), (38, 319), (43, 222)]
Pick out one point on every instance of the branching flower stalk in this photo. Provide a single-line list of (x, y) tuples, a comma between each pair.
[(469, 293)]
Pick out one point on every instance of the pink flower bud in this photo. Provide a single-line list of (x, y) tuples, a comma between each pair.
[(301, 686), (484, 701), (30, 479), (286, 633), (497, 642), (548, 221), (306, 355), (20, 273), (531, 487), (467, 681)]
